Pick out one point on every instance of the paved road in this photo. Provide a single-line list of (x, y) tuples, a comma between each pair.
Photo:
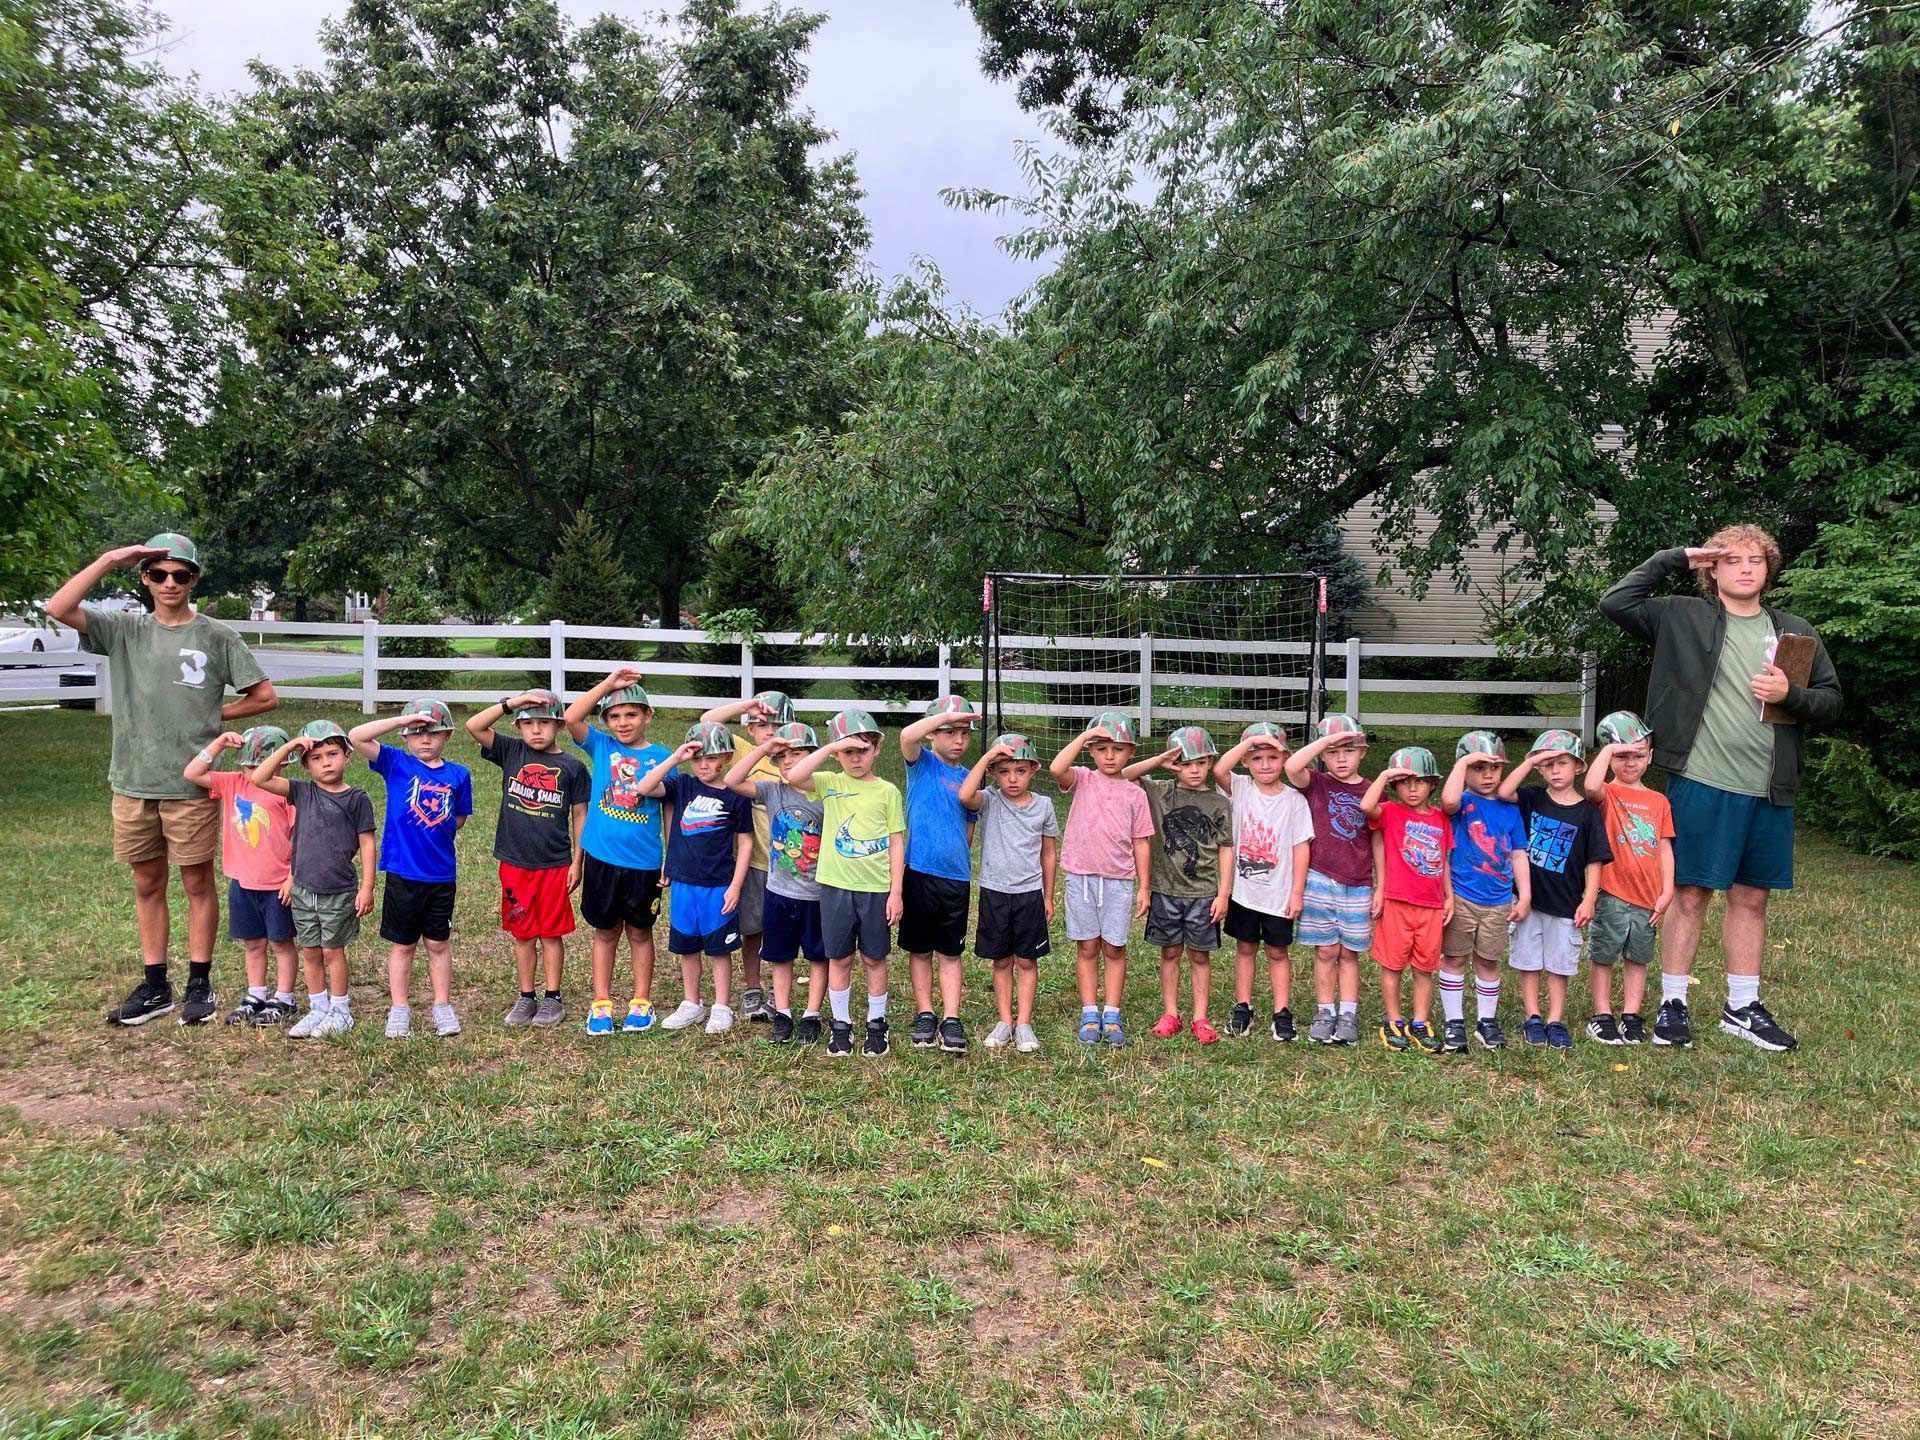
[(278, 663)]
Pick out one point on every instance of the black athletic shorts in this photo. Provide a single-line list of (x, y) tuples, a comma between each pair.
[(1257, 927), (612, 896), (413, 910), (933, 915), (1012, 925)]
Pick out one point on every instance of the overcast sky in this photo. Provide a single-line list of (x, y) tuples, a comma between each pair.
[(898, 80)]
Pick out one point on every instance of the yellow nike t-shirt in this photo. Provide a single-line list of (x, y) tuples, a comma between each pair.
[(859, 817)]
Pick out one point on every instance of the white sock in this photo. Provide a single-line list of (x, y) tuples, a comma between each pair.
[(341, 1003), (1349, 1007), (400, 1009), (1453, 995), (285, 997), (256, 993), (841, 1003), (1742, 991), (1486, 996), (319, 1000), (1674, 987), (1325, 1010), (876, 1007), (786, 1010)]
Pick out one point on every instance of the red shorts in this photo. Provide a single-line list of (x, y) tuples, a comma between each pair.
[(1408, 935), (534, 904)]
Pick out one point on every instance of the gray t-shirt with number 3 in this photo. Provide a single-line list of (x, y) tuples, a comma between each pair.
[(168, 683)]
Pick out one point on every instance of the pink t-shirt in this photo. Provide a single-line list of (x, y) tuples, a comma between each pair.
[(1107, 815), (256, 832)]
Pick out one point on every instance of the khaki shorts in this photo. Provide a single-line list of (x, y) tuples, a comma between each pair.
[(1477, 930), (181, 832)]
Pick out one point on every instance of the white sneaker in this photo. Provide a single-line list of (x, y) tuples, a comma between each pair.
[(999, 1037), (334, 1022), (445, 1022), (687, 1012), (1024, 1040), (399, 1022), (721, 1020), (308, 1024)]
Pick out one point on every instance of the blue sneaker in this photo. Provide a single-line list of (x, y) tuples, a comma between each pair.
[(1559, 1037), (600, 1018), (1110, 1030), (1089, 1026), (639, 1018), (1534, 1032)]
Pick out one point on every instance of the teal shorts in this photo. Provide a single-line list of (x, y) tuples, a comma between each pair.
[(1721, 839)]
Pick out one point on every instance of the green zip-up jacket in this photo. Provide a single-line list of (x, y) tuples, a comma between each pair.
[(1687, 632)]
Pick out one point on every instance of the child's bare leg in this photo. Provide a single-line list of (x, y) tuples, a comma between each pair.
[(603, 946), (1326, 974), (440, 970), (1530, 991), (1390, 993), (1169, 979), (690, 976), (722, 979), (1003, 988), (313, 960), (782, 986), (553, 951), (640, 957), (1422, 996), (749, 959), (1600, 986), (526, 960), (336, 957), (1200, 963), (400, 975), (286, 956), (1243, 953), (876, 978), (920, 974), (1633, 987), (1349, 976), (1556, 998), (1086, 964), (256, 962), (950, 976), (1026, 976), (1116, 977), (1280, 975)]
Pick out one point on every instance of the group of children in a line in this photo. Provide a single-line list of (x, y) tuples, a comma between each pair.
[(761, 847)]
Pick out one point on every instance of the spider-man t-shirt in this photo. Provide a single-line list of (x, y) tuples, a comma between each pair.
[(1486, 832)]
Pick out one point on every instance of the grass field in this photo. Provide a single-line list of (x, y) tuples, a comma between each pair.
[(220, 1232)]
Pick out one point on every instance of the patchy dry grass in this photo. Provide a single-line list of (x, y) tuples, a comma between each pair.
[(217, 1232)]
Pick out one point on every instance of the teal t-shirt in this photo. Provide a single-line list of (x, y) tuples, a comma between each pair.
[(1733, 749)]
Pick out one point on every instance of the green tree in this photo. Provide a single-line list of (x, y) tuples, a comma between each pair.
[(494, 270), (589, 584), (408, 603)]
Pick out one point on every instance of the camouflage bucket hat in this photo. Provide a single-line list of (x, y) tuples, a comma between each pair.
[(626, 695), (1623, 727), (546, 706), (1117, 724), (957, 706), (778, 705), (797, 736), (1193, 743), (1559, 742), (1483, 743), (853, 722), (1018, 746), (1266, 730), (434, 712), (1416, 758), (321, 731), (712, 737), (258, 743), (1338, 724)]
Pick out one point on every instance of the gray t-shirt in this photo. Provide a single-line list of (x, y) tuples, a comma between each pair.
[(168, 684), (1733, 749), (327, 826), (793, 838), (1010, 838)]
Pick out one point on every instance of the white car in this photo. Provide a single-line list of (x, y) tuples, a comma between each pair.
[(25, 637)]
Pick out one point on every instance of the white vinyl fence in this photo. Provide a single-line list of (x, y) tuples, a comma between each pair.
[(681, 684)]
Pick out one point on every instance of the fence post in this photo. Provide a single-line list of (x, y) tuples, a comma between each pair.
[(1353, 676), (1146, 685), (1589, 696), (102, 689), (369, 666), (946, 673), (746, 675), (557, 655)]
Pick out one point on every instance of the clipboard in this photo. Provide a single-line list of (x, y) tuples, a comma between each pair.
[(1793, 654)]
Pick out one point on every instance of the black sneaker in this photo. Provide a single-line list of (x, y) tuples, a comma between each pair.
[(1605, 1029), (146, 1001), (953, 1036), (1240, 1022), (247, 1012), (1671, 1026), (782, 1033), (273, 1012), (198, 1006), (1453, 1037), (925, 1029), (1489, 1034), (876, 1044), (1283, 1030), (1756, 1027), (839, 1038), (1633, 1030)]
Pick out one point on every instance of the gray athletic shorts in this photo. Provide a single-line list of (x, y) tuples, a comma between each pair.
[(1182, 920), (1545, 942), (324, 922), (1619, 929), (1099, 908), (752, 913), (854, 920)]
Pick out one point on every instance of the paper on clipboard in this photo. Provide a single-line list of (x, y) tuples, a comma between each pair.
[(1793, 656)]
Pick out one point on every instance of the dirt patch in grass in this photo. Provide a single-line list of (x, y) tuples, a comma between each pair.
[(1016, 1295), (62, 1098), (739, 1206)]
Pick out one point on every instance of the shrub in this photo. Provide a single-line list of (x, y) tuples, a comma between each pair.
[(228, 607), (409, 604), (587, 585), (1845, 794)]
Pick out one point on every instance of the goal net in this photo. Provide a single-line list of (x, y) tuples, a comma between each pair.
[(1168, 650)]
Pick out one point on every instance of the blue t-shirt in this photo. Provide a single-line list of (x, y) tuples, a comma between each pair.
[(623, 826), (1486, 832), (423, 806), (936, 820), (705, 820)]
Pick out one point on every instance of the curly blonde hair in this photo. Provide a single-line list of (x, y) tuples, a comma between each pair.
[(1729, 536)]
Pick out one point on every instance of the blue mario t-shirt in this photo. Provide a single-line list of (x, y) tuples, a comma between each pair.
[(623, 826), (1486, 832), (424, 803)]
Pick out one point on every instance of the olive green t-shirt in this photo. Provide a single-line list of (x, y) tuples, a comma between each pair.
[(168, 684), (1733, 749), (1189, 827)]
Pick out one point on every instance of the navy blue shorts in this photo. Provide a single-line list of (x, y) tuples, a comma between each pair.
[(1721, 839), (696, 923), (792, 929), (256, 914)]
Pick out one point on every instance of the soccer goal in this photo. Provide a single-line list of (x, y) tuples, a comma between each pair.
[(1169, 650)]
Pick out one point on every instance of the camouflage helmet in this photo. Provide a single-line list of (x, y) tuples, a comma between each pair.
[(711, 736), (259, 742), (1019, 747), (853, 721), (957, 706), (434, 712), (1338, 723), (1193, 743), (797, 736), (1265, 730), (1416, 758), (178, 547), (321, 731), (778, 705), (1483, 743), (1558, 742), (546, 706), (626, 695), (1622, 727), (1117, 724)]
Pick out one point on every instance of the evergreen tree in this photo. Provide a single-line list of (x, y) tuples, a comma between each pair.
[(587, 585), (408, 603)]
